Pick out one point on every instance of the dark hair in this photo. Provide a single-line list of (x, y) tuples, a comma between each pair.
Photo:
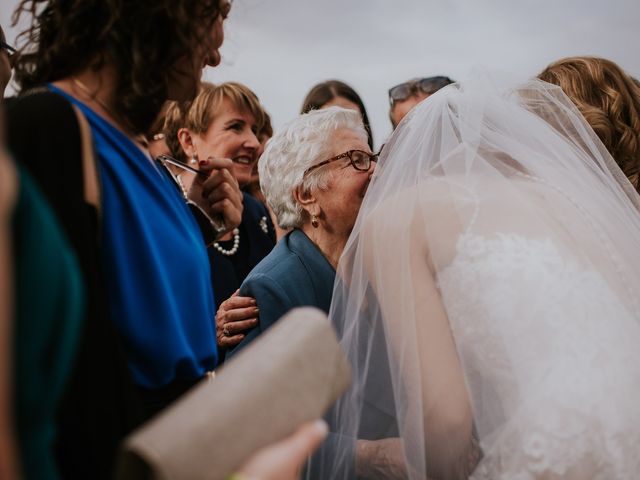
[(324, 92), (609, 100), (142, 38)]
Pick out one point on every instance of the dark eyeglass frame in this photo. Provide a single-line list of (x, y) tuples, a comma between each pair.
[(373, 157), (428, 85), (5, 46), (11, 52), (216, 224)]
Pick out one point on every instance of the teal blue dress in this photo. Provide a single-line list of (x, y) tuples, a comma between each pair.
[(49, 301)]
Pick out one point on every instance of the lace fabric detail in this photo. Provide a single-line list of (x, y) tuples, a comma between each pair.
[(551, 359)]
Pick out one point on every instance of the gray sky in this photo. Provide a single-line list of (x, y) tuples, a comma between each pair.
[(280, 48)]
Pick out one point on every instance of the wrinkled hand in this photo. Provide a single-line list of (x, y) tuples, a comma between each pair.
[(235, 315), (218, 194), (380, 459), (284, 459)]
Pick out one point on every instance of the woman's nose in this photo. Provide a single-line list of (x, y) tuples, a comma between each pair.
[(251, 141)]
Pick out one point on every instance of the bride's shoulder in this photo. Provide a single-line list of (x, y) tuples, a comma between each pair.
[(411, 213), (431, 195)]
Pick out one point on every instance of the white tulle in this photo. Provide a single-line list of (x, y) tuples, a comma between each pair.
[(488, 297)]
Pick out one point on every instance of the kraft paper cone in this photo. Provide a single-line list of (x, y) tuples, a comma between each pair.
[(291, 374)]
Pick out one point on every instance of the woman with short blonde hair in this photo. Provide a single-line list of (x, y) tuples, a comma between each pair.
[(223, 122)]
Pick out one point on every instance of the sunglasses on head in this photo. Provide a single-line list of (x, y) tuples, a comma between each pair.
[(427, 85)]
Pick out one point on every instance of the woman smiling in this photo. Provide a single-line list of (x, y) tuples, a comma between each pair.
[(222, 122)]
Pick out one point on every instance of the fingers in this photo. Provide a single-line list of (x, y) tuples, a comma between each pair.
[(306, 439), (236, 301), (230, 212), (229, 331), (236, 308), (228, 342), (218, 194), (235, 315), (233, 328), (215, 164), (220, 184)]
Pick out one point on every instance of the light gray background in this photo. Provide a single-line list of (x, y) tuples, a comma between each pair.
[(280, 48)]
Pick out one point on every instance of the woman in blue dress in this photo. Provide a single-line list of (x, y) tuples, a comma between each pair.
[(142, 253)]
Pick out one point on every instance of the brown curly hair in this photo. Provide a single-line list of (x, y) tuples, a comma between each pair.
[(143, 39), (609, 100)]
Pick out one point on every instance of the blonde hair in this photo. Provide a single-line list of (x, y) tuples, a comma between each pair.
[(609, 100), (198, 114)]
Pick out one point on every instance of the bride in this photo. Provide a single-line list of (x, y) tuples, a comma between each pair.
[(489, 300)]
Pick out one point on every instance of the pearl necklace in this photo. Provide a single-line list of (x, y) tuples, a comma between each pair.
[(232, 250)]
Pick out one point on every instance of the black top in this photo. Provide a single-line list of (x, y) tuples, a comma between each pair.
[(257, 239), (100, 404)]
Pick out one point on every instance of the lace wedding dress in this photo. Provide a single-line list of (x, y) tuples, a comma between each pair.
[(488, 297), (534, 328)]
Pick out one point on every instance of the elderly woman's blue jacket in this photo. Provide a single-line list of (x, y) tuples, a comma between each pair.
[(294, 274)]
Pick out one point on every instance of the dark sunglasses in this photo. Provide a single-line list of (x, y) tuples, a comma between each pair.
[(427, 85), (359, 159)]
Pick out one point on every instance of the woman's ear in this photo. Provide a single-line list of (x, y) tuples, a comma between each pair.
[(307, 200), (186, 142)]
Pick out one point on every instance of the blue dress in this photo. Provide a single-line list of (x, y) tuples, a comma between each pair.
[(155, 262)]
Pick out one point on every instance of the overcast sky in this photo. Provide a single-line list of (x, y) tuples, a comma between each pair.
[(280, 48)]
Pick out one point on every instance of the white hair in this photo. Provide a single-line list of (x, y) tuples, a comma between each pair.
[(302, 143)]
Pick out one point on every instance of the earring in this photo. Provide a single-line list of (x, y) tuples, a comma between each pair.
[(314, 221), (193, 160)]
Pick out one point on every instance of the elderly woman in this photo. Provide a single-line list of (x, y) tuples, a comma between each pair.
[(314, 173)]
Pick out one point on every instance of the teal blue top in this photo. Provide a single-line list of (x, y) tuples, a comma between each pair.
[(48, 312), (295, 274)]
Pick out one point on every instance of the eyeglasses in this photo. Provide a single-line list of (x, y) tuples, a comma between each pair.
[(10, 50), (427, 85), (359, 159), (203, 218)]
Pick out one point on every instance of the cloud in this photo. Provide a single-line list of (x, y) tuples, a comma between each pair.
[(280, 48)]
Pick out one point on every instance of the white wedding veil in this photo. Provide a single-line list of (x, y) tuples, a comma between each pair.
[(488, 298)]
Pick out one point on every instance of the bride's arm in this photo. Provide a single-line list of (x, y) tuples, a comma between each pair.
[(418, 333)]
